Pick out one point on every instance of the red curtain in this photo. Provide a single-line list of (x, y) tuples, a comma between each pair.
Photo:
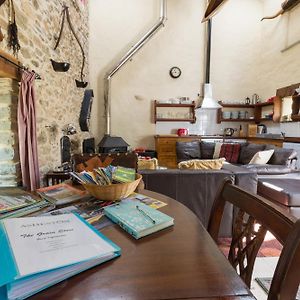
[(27, 133)]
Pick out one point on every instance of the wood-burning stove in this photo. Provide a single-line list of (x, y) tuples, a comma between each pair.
[(112, 144)]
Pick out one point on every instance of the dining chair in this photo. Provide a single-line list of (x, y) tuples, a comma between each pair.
[(254, 216), (127, 159)]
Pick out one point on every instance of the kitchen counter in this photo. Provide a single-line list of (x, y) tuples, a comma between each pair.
[(263, 137)]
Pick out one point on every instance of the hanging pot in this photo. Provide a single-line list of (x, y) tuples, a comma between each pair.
[(65, 14), (60, 66), (81, 84)]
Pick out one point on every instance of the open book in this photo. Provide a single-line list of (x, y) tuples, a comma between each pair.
[(38, 252)]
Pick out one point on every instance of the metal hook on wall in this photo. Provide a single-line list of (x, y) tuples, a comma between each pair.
[(66, 15)]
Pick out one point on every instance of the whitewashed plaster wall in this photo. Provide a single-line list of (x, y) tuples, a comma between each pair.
[(243, 62), (279, 68), (115, 26)]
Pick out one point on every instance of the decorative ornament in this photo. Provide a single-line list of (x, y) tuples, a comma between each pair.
[(12, 30)]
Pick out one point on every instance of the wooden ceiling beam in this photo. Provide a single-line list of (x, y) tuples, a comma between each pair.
[(8, 70)]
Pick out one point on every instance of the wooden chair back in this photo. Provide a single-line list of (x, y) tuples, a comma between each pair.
[(127, 159), (254, 211)]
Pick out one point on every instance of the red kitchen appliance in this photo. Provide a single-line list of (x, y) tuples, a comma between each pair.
[(182, 131)]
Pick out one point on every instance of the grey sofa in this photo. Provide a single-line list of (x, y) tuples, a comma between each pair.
[(281, 162), (197, 189)]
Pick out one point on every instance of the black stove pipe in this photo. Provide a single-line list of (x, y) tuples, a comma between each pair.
[(208, 51)]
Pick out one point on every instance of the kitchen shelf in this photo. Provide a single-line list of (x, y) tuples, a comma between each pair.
[(257, 109), (174, 105), (236, 120), (264, 119), (275, 104), (174, 120), (236, 105), (264, 104), (190, 108)]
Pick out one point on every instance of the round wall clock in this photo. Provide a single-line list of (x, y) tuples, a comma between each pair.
[(175, 72)]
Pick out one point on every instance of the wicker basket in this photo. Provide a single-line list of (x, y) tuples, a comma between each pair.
[(113, 192)]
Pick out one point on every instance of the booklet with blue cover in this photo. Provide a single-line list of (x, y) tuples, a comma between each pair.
[(38, 252), (138, 219)]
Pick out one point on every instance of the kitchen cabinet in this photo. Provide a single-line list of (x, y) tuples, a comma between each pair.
[(171, 112), (165, 146)]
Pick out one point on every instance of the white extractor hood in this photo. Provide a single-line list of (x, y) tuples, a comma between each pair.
[(208, 101)]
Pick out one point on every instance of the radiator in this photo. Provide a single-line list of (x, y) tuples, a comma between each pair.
[(295, 146)]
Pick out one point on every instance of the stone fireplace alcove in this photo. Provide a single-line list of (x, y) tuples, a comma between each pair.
[(10, 174)]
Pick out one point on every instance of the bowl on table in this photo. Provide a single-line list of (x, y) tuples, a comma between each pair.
[(112, 192)]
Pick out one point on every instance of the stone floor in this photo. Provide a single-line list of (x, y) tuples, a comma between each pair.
[(264, 267)]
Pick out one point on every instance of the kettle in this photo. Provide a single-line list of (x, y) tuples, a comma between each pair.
[(228, 131)]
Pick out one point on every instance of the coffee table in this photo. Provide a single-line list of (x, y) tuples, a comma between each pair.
[(180, 262)]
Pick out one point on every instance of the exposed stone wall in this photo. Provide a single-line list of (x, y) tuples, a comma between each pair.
[(9, 154), (58, 98)]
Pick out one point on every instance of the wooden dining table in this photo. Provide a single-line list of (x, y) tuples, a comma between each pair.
[(180, 262)]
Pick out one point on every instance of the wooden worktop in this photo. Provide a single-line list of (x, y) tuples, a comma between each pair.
[(286, 139)]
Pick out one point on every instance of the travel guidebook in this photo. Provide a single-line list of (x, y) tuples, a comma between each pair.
[(39, 252), (91, 211), (152, 202), (62, 193), (137, 218)]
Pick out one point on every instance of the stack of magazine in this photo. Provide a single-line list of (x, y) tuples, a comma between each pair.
[(105, 176), (15, 202), (63, 193)]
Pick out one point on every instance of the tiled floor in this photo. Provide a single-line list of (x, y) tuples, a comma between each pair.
[(264, 267)]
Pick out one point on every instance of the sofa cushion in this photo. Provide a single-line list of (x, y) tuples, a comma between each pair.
[(261, 157), (217, 149), (231, 152), (207, 150), (202, 164), (247, 152), (268, 169), (187, 150), (282, 156)]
